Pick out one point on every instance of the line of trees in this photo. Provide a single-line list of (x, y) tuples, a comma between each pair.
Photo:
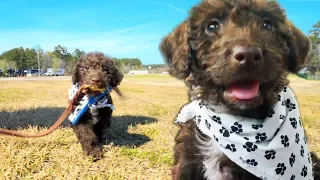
[(314, 56), (27, 58), (22, 59)]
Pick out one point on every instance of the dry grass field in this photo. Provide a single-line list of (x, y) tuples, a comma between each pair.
[(140, 140)]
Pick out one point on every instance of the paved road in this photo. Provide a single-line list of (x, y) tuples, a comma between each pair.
[(41, 78)]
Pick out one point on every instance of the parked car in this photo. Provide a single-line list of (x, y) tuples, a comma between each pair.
[(32, 72), (54, 72), (10, 73), (20, 72)]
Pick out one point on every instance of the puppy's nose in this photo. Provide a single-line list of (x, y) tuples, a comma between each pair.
[(245, 55), (95, 80)]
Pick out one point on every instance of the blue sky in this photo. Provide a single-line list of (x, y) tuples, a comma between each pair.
[(120, 28)]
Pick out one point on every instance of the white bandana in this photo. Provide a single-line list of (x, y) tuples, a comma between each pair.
[(74, 116), (273, 148)]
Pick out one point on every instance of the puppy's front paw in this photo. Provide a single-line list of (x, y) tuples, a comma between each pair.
[(96, 153)]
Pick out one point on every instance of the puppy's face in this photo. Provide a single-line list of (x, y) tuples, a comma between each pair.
[(238, 52), (96, 69)]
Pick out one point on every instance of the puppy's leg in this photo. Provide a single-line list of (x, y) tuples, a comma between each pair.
[(100, 129), (197, 158), (187, 159), (88, 140)]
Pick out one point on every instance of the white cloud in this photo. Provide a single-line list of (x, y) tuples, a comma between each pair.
[(167, 5)]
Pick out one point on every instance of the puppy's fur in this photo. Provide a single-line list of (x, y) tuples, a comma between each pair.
[(203, 48), (95, 69)]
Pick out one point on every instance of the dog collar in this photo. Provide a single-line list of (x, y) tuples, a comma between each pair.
[(271, 149), (93, 103)]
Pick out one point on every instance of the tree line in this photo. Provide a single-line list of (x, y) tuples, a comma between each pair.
[(314, 56), (60, 58)]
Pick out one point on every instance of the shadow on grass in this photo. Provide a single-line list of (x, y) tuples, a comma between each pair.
[(41, 117), (44, 117), (118, 132)]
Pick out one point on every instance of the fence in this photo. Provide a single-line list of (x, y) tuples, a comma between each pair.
[(310, 76)]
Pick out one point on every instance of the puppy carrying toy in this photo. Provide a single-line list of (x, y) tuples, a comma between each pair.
[(89, 102), (78, 96)]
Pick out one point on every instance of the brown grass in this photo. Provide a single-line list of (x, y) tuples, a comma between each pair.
[(141, 139)]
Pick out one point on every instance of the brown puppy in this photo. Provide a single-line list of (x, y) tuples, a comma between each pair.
[(95, 69), (236, 56)]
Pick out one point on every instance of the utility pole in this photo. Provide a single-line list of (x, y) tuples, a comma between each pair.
[(38, 49), (39, 70)]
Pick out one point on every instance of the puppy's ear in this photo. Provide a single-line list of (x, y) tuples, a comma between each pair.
[(175, 50), (299, 47), (117, 77), (75, 74)]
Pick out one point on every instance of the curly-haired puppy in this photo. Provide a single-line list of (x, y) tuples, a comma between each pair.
[(243, 121), (95, 69)]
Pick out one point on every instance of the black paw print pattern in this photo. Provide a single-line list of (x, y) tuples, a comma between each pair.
[(271, 113), (285, 140), (270, 154), (246, 138), (302, 151), (252, 162), (297, 138), (198, 119), (282, 117), (304, 172), (257, 126), (216, 119), (293, 122), (281, 168), (250, 146), (292, 159), (201, 104), (208, 124), (215, 138), (279, 97), (285, 89), (261, 137), (224, 132), (288, 104), (236, 128), (231, 147), (293, 177)]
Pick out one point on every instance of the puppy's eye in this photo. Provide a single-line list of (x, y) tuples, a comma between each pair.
[(267, 24), (105, 69), (213, 26)]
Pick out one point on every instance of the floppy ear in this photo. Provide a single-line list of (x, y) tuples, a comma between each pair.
[(75, 74), (117, 77), (299, 47), (175, 50)]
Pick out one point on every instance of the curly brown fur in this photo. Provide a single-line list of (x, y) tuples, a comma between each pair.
[(204, 49), (95, 69)]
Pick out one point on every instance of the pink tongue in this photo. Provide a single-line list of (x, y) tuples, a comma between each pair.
[(244, 91)]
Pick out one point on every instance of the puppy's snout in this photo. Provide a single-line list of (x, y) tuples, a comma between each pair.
[(247, 55), (95, 80)]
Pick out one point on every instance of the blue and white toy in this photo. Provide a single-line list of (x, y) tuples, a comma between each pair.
[(93, 103)]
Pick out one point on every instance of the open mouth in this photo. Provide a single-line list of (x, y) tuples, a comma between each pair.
[(244, 91)]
